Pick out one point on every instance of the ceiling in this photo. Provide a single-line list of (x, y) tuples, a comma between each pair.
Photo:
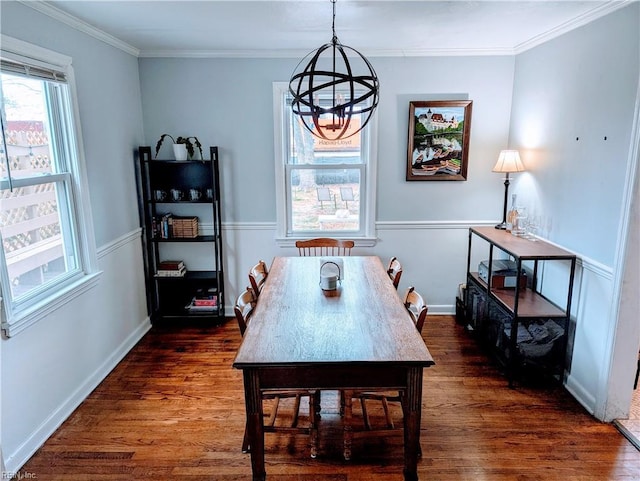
[(263, 28)]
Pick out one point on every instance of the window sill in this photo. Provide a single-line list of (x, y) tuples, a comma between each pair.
[(29, 316)]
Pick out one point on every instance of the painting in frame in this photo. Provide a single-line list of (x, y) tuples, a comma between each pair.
[(438, 139)]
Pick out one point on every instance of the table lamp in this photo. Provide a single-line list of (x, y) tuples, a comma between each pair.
[(508, 161)]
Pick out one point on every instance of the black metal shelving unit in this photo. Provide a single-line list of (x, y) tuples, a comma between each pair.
[(520, 326), (169, 298)]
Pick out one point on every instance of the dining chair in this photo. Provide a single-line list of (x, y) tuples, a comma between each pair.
[(395, 271), (417, 309), (243, 309), (324, 246), (258, 276)]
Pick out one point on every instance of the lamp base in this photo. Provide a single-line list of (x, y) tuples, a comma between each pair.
[(501, 226)]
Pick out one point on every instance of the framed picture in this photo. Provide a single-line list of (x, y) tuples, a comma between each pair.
[(438, 140)]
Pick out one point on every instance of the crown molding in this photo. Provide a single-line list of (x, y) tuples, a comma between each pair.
[(587, 17), (76, 23), (443, 52)]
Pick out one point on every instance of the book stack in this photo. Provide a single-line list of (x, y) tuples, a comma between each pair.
[(171, 269), (205, 300), (161, 226)]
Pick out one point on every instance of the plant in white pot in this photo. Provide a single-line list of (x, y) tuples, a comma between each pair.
[(183, 147)]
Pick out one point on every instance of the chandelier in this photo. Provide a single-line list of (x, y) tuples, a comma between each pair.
[(331, 91)]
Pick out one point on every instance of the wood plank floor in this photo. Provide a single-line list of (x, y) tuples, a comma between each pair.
[(174, 409)]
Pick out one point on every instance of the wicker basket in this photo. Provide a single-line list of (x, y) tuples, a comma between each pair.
[(184, 227)]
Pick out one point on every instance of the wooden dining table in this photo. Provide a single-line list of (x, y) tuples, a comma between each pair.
[(359, 336)]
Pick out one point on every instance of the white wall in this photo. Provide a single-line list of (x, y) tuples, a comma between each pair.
[(572, 119), (48, 369)]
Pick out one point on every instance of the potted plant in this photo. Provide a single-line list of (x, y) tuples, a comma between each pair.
[(182, 146)]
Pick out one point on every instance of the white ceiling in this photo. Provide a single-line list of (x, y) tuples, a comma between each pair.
[(242, 28)]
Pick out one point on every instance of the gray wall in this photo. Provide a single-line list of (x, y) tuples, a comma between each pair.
[(48, 369), (569, 95), (573, 116), (227, 102)]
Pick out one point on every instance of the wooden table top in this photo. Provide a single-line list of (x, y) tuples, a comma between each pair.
[(296, 323)]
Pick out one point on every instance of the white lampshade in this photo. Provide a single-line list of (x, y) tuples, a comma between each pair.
[(509, 161)]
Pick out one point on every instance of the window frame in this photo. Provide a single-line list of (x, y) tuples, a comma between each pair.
[(367, 235), (17, 316)]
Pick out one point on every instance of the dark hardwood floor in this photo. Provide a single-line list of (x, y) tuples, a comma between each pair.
[(174, 409)]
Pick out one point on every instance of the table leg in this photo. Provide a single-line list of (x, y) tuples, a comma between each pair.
[(255, 428), (347, 433), (412, 407)]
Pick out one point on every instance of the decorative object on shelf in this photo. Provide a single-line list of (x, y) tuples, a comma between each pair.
[(334, 104), (438, 146), (176, 195), (185, 227), (183, 147), (194, 194), (508, 162), (512, 214)]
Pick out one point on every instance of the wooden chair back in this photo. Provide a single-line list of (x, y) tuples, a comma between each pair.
[(416, 307), (243, 309), (395, 271), (258, 276), (324, 246)]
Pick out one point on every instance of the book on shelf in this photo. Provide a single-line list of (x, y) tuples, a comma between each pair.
[(205, 302), (171, 272), (193, 306), (170, 265), (161, 226)]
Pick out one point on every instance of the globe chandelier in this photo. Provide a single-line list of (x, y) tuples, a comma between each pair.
[(329, 100)]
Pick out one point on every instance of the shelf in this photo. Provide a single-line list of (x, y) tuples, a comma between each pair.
[(520, 247), (177, 162), (530, 303), (200, 238), (200, 201), (191, 276)]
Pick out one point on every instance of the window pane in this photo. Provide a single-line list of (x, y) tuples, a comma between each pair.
[(325, 200), (36, 224), (32, 237), (26, 127)]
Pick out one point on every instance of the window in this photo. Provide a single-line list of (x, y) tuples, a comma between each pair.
[(45, 248), (324, 188)]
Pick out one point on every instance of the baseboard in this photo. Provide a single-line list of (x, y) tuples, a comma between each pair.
[(16, 460)]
